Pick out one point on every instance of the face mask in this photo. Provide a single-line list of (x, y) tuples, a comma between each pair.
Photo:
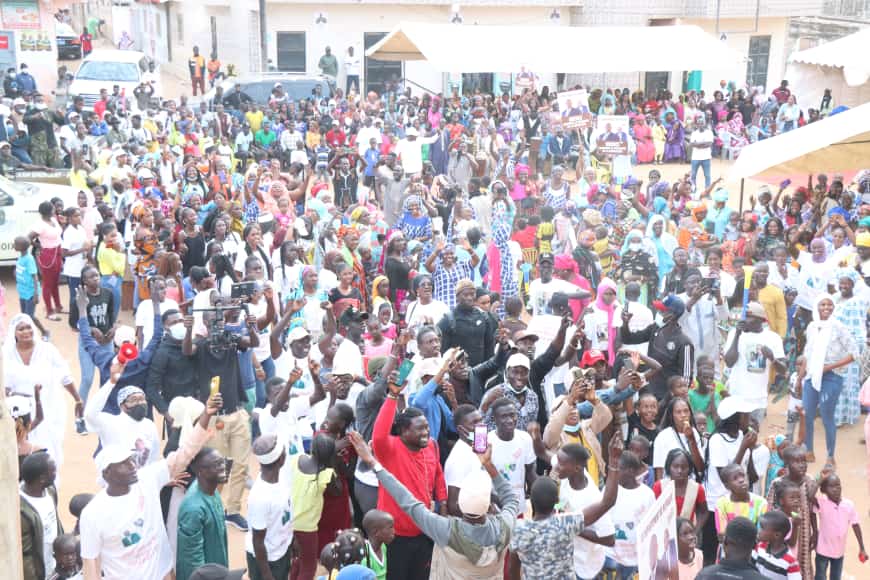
[(177, 331), (660, 322), (635, 246), (138, 412), (641, 478), (571, 428)]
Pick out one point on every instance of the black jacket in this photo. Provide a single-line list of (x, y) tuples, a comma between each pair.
[(471, 330), (171, 375)]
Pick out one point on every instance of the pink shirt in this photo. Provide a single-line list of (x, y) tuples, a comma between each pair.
[(834, 523), (49, 235)]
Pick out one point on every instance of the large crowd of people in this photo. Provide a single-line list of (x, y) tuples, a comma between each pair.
[(430, 337)]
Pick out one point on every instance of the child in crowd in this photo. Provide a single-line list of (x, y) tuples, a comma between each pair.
[(632, 501), (67, 558), (644, 419), (691, 499), (350, 548), (546, 231), (776, 466), (312, 474), (284, 216), (788, 500), (701, 422), (640, 446), (691, 559), (739, 502), (27, 282), (704, 398), (380, 530), (77, 504), (795, 415), (795, 459), (376, 343), (759, 456), (836, 515), (772, 557)]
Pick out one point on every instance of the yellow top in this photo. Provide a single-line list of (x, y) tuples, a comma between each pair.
[(111, 261), (306, 494), (255, 120)]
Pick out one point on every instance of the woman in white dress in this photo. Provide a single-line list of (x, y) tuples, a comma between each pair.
[(27, 362)]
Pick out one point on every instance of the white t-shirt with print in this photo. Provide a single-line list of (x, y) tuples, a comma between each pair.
[(127, 532), (270, 509), (461, 463), (540, 293), (628, 510), (750, 375), (722, 451), (510, 458)]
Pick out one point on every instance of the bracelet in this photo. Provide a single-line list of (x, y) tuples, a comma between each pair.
[(392, 396), (611, 468)]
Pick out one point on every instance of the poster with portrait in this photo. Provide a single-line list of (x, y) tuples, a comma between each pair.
[(525, 79), (657, 539), (574, 109), (611, 134)]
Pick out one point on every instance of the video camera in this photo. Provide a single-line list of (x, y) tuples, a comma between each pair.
[(219, 339)]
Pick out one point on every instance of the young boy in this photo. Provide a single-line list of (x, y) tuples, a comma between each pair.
[(772, 557), (77, 504), (632, 501), (836, 515), (740, 502), (68, 561), (644, 420), (704, 397), (379, 528), (795, 459), (640, 446), (27, 282)]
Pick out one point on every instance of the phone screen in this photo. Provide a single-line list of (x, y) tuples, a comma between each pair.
[(404, 370), (480, 439)]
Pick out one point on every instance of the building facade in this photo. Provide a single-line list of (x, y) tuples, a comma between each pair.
[(297, 32)]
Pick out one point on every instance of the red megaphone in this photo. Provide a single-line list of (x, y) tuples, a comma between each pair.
[(127, 352)]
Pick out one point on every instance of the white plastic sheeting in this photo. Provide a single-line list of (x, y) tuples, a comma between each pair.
[(555, 49), (836, 144)]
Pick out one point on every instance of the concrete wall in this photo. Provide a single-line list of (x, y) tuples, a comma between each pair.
[(238, 33)]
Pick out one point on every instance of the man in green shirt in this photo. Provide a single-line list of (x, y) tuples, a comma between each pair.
[(328, 64), (202, 531), (264, 137)]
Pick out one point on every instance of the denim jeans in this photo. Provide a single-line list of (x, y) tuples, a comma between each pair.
[(269, 368), (86, 362), (28, 306), (621, 572), (824, 402), (822, 567), (113, 283), (72, 284), (705, 166)]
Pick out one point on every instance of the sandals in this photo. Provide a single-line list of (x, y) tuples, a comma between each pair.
[(54, 317)]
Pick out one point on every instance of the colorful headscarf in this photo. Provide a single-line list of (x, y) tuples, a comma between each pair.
[(610, 309)]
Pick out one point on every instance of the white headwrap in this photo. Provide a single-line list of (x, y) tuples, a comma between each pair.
[(818, 339)]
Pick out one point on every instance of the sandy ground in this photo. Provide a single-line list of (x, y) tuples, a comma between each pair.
[(78, 473)]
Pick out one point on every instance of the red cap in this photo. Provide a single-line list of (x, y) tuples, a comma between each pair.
[(590, 357)]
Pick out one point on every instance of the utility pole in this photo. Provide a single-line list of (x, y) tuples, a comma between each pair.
[(263, 46)]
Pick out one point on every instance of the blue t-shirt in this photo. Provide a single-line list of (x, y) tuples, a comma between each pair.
[(25, 270), (371, 156)]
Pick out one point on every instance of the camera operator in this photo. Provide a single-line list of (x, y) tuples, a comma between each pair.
[(218, 355)]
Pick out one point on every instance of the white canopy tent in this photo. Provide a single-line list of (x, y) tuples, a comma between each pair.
[(834, 144), (555, 49), (840, 65)]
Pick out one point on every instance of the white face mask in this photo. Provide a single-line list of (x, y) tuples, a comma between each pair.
[(635, 246), (660, 321), (177, 331)]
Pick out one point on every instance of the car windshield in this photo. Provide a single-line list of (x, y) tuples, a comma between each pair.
[(98, 70)]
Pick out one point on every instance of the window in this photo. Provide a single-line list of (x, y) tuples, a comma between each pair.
[(179, 27), (378, 72), (756, 65), (291, 51)]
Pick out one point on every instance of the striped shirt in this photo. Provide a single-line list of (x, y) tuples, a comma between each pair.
[(780, 565)]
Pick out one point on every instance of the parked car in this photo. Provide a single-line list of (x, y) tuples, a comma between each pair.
[(103, 69), (19, 203), (258, 88), (68, 44)]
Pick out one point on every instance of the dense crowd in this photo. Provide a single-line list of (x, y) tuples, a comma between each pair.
[(431, 337)]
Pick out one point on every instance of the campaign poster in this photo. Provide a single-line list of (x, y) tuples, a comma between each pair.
[(525, 79), (657, 539), (612, 134), (574, 109)]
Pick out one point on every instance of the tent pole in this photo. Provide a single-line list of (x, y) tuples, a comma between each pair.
[(741, 195)]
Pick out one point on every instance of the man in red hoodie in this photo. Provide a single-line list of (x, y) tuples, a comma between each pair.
[(412, 457)]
